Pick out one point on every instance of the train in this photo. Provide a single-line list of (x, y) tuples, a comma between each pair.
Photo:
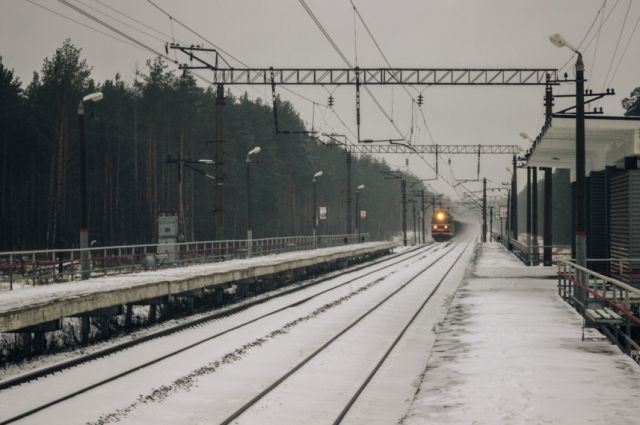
[(442, 225)]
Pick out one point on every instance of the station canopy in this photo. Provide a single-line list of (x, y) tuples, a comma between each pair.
[(608, 140)]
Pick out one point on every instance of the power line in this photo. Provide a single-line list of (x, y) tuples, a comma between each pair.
[(132, 19), (82, 24), (586, 34), (112, 28), (119, 21), (615, 51), (635, 27)]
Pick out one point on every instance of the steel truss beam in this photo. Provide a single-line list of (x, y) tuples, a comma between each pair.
[(439, 149), (380, 76)]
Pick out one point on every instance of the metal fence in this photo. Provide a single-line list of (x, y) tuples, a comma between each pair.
[(533, 254), (30, 268), (605, 302)]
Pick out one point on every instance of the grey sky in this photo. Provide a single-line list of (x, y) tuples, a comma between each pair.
[(418, 33)]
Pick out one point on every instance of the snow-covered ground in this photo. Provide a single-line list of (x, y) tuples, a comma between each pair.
[(31, 296), (510, 352), (208, 381)]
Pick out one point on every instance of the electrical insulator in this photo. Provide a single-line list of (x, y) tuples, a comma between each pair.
[(420, 100), (330, 101)]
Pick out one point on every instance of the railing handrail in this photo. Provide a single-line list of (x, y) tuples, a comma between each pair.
[(102, 248), (607, 279)]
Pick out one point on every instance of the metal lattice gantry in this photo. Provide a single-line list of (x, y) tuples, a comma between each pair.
[(401, 148), (363, 76), (380, 76)]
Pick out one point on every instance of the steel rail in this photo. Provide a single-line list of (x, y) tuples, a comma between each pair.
[(355, 396), (324, 346), (110, 350)]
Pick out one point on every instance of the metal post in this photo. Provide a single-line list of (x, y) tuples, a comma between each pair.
[(249, 217), (348, 215), (358, 214), (85, 271), (508, 224), (423, 215), (315, 218), (581, 231), (484, 210), (218, 209), (491, 223), (413, 203), (403, 185), (534, 215), (548, 217), (529, 216), (514, 200)]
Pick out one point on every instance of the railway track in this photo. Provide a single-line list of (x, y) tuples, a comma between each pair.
[(386, 263), (251, 403)]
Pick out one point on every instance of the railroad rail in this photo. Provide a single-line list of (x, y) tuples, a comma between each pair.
[(385, 263), (245, 407)]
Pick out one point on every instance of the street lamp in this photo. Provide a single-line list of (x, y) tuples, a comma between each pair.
[(315, 206), (358, 190), (253, 151), (84, 208), (581, 231)]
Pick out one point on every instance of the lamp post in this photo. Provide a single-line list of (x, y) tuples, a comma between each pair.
[(315, 207), (532, 208), (85, 269), (253, 151), (581, 231), (358, 191)]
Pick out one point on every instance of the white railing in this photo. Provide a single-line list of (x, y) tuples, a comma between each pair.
[(20, 268)]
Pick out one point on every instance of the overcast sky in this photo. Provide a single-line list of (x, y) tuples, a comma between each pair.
[(411, 33)]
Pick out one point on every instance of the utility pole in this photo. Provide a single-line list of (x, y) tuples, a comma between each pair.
[(348, 214), (415, 234), (514, 202), (424, 217), (404, 211), (534, 215), (218, 209), (548, 219), (529, 215), (581, 230), (491, 223), (484, 210)]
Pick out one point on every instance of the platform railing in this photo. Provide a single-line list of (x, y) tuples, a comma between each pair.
[(30, 268), (618, 302), (533, 254)]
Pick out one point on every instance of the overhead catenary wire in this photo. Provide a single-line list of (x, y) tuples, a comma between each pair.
[(624, 51), (615, 50), (83, 24)]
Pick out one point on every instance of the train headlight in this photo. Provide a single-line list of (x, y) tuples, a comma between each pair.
[(435, 227), (446, 227), (440, 216)]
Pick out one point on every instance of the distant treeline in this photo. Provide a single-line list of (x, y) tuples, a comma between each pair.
[(131, 132)]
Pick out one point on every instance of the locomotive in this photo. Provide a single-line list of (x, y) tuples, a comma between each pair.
[(442, 226)]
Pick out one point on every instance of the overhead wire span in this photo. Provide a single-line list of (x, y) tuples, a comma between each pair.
[(83, 24), (624, 51), (615, 50)]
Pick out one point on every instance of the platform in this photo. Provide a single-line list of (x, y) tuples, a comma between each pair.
[(41, 304), (510, 351)]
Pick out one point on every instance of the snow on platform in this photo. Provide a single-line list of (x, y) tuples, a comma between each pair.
[(511, 352), (31, 306)]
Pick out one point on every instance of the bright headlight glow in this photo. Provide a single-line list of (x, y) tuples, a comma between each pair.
[(440, 216)]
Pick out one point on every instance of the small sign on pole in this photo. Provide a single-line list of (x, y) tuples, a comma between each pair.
[(504, 210), (363, 214), (323, 213)]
